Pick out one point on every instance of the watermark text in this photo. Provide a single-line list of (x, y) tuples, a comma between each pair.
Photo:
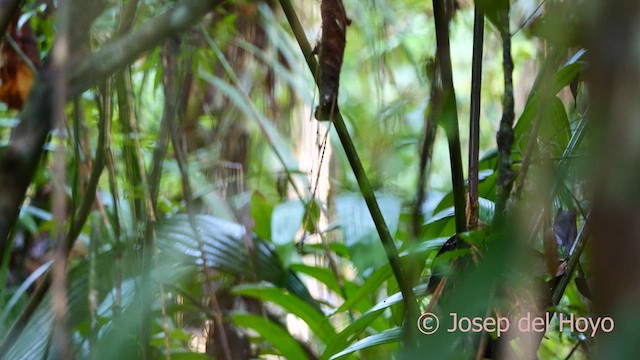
[(429, 323)]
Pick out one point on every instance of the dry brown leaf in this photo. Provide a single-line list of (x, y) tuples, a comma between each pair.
[(15, 74)]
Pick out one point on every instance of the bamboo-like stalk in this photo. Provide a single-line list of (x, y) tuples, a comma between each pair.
[(474, 122), (448, 115)]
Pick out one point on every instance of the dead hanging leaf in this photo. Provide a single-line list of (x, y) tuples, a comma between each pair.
[(332, 44), (16, 75), (551, 252)]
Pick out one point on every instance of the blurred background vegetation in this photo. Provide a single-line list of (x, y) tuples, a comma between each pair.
[(166, 192)]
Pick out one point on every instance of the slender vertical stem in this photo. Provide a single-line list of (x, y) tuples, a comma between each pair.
[(383, 231), (59, 298), (474, 122), (430, 127), (505, 136), (449, 113)]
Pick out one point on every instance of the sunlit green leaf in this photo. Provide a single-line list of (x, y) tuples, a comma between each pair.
[(388, 336), (292, 304), (278, 336)]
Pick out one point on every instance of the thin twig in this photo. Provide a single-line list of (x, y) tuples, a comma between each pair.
[(526, 21), (14, 45), (308, 218), (430, 127)]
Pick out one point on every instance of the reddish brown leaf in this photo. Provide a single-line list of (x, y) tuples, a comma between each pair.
[(15, 75)]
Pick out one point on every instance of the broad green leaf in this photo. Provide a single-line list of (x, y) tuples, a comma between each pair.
[(286, 220), (370, 286), (22, 290), (337, 248), (487, 187), (425, 247), (261, 211), (561, 78), (327, 277), (278, 336), (375, 281), (226, 248), (441, 224), (565, 75), (345, 337), (486, 209), (292, 304), (361, 237), (33, 340), (388, 336), (555, 130), (348, 335)]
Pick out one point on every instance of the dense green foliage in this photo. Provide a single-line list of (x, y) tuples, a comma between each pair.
[(199, 210)]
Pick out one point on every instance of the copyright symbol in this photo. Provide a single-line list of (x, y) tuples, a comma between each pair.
[(428, 323)]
